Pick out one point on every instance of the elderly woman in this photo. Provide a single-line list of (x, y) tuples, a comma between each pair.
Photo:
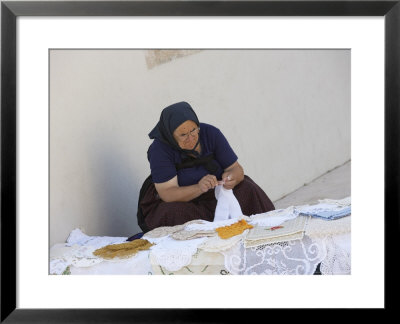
[(188, 159)]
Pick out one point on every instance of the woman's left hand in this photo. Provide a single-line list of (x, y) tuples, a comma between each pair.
[(228, 180), (233, 175)]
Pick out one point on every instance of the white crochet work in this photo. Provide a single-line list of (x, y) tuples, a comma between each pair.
[(227, 204), (338, 254), (299, 257), (324, 241), (173, 254), (318, 228), (339, 202)]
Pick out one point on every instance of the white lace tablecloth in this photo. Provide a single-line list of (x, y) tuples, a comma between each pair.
[(325, 242), (297, 257)]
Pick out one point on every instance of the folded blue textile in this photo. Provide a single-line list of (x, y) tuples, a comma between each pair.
[(328, 214)]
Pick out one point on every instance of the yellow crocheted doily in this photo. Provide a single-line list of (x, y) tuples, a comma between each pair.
[(226, 232), (123, 250)]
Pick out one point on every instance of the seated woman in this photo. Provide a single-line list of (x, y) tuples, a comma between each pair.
[(187, 161)]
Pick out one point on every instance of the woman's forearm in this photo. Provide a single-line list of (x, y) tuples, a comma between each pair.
[(238, 173), (170, 191)]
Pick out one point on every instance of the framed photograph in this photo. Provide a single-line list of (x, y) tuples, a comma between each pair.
[(41, 41)]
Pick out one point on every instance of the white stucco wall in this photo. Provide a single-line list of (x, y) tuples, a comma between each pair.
[(286, 113)]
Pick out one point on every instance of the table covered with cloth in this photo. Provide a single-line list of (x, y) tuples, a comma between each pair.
[(295, 240)]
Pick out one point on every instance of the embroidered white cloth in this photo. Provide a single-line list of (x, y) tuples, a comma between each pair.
[(167, 230), (210, 226), (217, 244), (78, 251), (78, 237), (328, 209), (190, 235), (179, 232), (227, 205), (64, 260), (173, 254), (137, 265), (274, 217)]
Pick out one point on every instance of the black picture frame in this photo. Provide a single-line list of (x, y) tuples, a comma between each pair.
[(10, 10)]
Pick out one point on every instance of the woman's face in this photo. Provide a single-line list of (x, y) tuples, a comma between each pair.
[(186, 135)]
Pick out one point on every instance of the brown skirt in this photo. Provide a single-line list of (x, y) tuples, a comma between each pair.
[(252, 200)]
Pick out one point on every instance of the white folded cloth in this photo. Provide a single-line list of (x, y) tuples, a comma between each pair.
[(227, 206)]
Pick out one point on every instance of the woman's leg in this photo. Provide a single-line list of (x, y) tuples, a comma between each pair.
[(159, 213)]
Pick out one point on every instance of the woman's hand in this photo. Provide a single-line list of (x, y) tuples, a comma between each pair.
[(208, 182), (233, 175), (228, 180)]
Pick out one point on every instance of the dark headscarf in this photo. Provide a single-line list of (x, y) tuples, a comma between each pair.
[(171, 117)]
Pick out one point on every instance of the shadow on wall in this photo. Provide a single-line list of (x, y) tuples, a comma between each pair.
[(117, 190)]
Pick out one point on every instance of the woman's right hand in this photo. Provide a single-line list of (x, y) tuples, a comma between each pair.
[(208, 182)]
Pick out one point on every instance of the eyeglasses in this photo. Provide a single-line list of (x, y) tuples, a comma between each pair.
[(184, 137)]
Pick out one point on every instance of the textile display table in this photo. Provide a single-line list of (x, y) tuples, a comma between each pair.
[(291, 241)]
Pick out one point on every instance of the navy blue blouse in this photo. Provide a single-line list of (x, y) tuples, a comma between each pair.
[(163, 158)]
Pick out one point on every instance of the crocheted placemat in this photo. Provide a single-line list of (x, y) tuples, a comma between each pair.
[(290, 230), (317, 227)]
